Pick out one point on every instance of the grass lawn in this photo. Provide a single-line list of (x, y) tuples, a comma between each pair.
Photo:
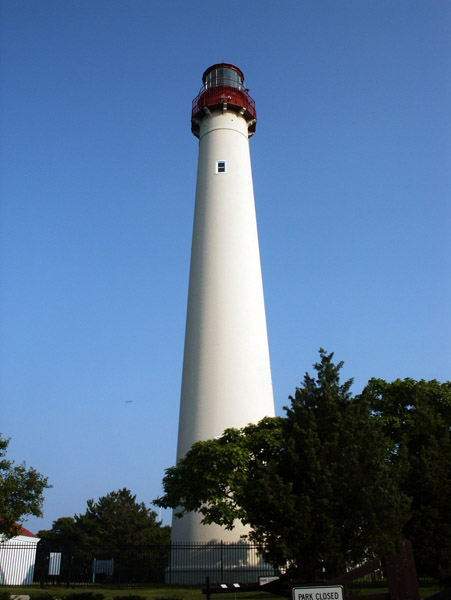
[(171, 593), (425, 592)]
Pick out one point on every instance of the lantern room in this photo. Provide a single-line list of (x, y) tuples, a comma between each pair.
[(223, 90), (223, 74)]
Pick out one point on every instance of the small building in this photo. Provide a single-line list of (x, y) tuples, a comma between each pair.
[(17, 558)]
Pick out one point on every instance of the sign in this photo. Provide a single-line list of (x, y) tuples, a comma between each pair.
[(323, 592), (104, 567), (54, 563), (264, 580)]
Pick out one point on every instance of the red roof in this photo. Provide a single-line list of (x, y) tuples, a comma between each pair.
[(23, 531)]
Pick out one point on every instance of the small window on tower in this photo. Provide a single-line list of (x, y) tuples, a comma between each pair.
[(221, 166)]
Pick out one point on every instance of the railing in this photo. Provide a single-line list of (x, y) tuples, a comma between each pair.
[(217, 95), (190, 564), (130, 566), (52, 564)]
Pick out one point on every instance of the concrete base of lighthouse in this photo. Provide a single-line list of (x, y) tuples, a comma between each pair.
[(221, 555)]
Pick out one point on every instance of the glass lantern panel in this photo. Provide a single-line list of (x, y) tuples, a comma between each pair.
[(223, 76)]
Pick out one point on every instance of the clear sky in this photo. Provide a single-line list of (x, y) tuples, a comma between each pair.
[(352, 180)]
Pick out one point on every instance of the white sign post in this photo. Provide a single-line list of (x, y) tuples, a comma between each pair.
[(323, 592)]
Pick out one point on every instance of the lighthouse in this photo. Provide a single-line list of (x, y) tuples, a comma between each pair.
[(226, 380)]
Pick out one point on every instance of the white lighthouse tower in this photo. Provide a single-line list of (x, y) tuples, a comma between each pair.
[(226, 370)]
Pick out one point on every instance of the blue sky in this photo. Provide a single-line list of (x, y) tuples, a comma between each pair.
[(352, 180)]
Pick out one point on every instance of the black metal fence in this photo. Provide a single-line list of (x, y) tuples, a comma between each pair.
[(190, 564), (130, 566)]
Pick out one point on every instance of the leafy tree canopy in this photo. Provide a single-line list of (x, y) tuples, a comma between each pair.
[(416, 415), (318, 487), (215, 475), (21, 492), (113, 522)]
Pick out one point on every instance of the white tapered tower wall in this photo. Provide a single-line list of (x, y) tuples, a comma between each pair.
[(226, 371)]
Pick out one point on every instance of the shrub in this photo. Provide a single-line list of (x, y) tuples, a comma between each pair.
[(83, 596), (129, 597)]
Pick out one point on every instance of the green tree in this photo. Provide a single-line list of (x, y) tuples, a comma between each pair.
[(317, 487), (21, 492), (215, 476), (116, 527), (111, 523), (117, 520), (416, 415), (64, 533), (333, 489)]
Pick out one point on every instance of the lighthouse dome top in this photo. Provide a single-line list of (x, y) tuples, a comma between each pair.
[(223, 90)]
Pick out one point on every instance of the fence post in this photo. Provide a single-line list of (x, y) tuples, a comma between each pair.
[(169, 567), (120, 567), (43, 561), (69, 570)]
